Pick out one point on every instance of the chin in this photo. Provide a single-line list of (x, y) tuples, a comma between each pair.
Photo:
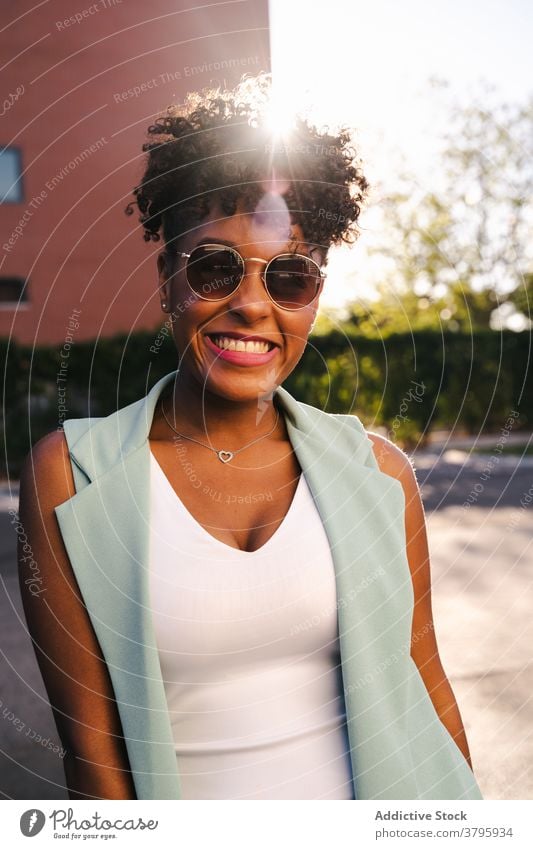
[(243, 387)]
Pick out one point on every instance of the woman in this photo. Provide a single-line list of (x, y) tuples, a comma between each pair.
[(238, 587)]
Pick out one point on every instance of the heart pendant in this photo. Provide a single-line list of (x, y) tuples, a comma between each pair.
[(225, 456)]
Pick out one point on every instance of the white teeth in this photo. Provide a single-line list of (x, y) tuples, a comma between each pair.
[(250, 346)]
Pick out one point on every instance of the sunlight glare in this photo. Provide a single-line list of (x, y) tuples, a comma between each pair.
[(279, 116)]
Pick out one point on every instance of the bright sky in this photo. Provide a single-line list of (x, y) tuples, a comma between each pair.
[(368, 65)]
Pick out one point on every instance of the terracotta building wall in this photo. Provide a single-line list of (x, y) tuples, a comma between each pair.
[(83, 83)]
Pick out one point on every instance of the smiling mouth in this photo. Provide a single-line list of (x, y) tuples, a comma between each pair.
[(246, 346)]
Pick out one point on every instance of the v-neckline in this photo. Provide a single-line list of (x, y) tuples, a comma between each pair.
[(214, 540)]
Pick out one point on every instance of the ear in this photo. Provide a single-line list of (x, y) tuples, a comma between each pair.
[(319, 254), (164, 282)]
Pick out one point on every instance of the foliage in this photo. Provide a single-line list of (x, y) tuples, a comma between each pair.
[(461, 249)]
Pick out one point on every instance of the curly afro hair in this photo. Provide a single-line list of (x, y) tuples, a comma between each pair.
[(219, 147)]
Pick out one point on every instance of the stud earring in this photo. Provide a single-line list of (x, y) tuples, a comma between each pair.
[(164, 305)]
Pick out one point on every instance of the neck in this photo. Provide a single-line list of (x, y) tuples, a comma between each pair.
[(197, 412)]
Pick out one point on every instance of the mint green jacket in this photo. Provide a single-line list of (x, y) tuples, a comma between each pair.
[(399, 748)]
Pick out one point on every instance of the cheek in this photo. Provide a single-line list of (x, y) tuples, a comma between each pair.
[(192, 319), (184, 299), (297, 331)]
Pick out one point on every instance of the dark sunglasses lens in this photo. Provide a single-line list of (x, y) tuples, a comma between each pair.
[(214, 272), (292, 281)]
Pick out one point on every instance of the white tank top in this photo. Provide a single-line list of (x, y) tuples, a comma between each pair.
[(249, 653)]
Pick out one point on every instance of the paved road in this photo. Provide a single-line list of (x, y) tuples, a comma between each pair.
[(482, 566)]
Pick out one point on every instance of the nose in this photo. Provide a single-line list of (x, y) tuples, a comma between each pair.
[(251, 298)]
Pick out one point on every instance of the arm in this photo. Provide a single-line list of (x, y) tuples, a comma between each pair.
[(67, 651), (424, 650)]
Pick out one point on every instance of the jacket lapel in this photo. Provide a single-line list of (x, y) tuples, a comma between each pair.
[(105, 527)]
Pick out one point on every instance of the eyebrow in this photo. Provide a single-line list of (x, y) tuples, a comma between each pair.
[(216, 241), (229, 244)]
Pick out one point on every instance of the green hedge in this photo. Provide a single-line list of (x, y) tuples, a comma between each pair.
[(408, 383)]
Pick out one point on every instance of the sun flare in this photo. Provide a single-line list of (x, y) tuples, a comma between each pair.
[(279, 117)]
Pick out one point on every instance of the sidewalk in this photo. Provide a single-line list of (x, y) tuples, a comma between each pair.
[(489, 441)]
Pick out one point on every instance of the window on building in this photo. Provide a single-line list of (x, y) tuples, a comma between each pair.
[(13, 291), (10, 175)]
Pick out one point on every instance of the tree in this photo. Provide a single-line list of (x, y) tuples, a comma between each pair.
[(463, 249)]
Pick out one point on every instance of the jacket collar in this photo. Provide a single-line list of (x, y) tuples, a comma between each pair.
[(111, 439)]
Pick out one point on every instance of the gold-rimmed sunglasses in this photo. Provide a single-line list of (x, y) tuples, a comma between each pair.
[(215, 272)]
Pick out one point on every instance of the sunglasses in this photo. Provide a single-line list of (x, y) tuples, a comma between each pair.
[(215, 272)]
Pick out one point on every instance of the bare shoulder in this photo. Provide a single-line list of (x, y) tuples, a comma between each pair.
[(46, 473), (49, 449), (391, 459), (46, 481)]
